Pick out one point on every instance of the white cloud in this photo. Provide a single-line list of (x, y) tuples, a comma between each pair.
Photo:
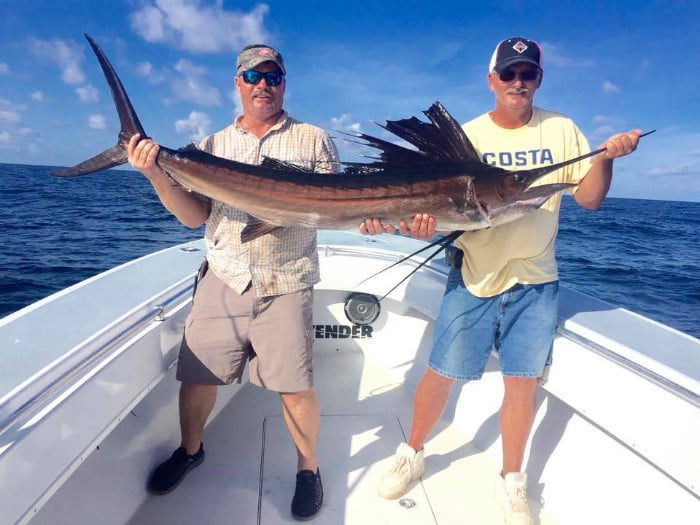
[(193, 87), (601, 134), (4, 68), (348, 146), (237, 104), (663, 167), (149, 23), (10, 114), (145, 69), (66, 55), (196, 126), (200, 28), (555, 56), (674, 128), (552, 55), (37, 96), (674, 171), (87, 93), (345, 123), (96, 122), (15, 136), (609, 87), (642, 70), (605, 127)]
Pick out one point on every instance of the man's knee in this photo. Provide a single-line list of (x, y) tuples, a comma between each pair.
[(520, 386), (437, 380), (296, 399)]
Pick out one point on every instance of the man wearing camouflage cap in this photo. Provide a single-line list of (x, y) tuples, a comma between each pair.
[(253, 301)]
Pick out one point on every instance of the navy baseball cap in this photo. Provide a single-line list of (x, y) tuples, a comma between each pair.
[(513, 50)]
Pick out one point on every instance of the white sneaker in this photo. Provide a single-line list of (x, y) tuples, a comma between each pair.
[(511, 493), (407, 465)]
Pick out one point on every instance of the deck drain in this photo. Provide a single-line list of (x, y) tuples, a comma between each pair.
[(407, 503)]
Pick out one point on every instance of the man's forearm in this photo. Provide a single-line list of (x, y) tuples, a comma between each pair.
[(189, 209), (595, 185)]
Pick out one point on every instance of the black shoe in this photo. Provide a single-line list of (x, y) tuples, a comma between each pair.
[(308, 495), (171, 472)]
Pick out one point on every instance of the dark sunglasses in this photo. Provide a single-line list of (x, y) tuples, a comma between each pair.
[(528, 75), (272, 78)]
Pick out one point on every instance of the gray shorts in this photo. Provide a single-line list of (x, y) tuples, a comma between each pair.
[(224, 330)]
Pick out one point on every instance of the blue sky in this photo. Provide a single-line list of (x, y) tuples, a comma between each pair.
[(611, 68)]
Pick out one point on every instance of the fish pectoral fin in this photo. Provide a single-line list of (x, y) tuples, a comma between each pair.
[(544, 192), (256, 228)]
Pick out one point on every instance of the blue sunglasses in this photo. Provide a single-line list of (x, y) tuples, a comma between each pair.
[(272, 78)]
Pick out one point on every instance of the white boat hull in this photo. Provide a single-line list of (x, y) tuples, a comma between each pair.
[(91, 406)]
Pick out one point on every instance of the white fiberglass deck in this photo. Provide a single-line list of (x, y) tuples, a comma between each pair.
[(89, 407), (248, 474)]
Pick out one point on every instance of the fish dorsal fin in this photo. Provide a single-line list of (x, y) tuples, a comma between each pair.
[(442, 138), (391, 153), (256, 228), (269, 162), (460, 147)]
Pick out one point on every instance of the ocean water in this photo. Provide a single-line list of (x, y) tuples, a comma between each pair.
[(642, 255)]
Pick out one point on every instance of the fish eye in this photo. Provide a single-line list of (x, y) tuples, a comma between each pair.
[(519, 178)]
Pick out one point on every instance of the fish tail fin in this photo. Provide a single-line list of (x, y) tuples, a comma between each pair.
[(114, 156), (129, 121)]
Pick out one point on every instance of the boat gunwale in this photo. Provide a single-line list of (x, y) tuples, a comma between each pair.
[(33, 402)]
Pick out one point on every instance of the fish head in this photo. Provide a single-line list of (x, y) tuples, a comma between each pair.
[(508, 195)]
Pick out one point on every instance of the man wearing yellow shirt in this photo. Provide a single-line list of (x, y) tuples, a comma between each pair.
[(504, 294)]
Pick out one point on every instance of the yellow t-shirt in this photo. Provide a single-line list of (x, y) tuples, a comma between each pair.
[(522, 251)]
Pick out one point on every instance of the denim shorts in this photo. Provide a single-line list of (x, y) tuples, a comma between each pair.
[(518, 323)]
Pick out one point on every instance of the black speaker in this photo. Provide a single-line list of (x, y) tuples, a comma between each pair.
[(362, 308)]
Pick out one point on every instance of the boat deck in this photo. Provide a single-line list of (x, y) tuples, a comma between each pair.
[(91, 407), (248, 475)]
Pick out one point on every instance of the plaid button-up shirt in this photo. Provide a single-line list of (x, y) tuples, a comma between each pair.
[(286, 259)]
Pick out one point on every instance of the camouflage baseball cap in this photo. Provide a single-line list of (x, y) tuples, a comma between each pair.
[(256, 54)]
